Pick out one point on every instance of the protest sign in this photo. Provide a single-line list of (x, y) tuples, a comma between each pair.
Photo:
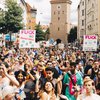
[(27, 38), (90, 43)]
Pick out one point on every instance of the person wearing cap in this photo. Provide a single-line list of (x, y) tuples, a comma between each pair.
[(88, 93)]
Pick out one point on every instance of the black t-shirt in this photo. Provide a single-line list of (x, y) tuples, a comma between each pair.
[(87, 68)]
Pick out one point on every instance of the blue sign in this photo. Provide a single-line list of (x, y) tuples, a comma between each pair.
[(51, 41), (7, 38)]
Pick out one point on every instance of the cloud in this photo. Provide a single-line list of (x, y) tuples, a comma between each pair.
[(44, 10), (74, 6)]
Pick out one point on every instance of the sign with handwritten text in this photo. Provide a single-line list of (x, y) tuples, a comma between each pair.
[(90, 43), (27, 38)]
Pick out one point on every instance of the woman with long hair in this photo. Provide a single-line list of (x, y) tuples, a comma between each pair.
[(48, 93)]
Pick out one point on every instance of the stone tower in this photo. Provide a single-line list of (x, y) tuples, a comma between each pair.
[(60, 19)]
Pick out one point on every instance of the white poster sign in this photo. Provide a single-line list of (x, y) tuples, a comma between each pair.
[(61, 46), (36, 45), (90, 43), (27, 38)]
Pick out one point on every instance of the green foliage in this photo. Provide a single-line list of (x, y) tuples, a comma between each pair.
[(2, 21), (40, 35), (47, 32), (73, 34), (11, 18)]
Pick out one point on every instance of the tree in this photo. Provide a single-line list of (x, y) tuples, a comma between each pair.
[(2, 22), (47, 33), (73, 34), (11, 19), (40, 35)]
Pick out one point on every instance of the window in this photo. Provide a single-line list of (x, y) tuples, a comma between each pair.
[(82, 22), (83, 3), (88, 1), (58, 12), (62, 12), (33, 15), (92, 5), (54, 12), (90, 27), (82, 12), (58, 28), (58, 18)]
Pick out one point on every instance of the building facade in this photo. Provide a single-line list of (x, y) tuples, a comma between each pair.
[(81, 19), (89, 18), (31, 17), (60, 19), (22, 4)]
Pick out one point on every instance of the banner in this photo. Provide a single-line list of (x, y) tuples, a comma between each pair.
[(90, 43), (27, 38)]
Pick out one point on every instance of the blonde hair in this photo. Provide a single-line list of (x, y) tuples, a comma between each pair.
[(87, 79)]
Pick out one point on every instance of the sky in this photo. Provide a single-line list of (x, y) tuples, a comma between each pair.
[(44, 11)]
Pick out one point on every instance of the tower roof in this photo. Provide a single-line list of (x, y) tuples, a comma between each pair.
[(61, 1), (29, 8)]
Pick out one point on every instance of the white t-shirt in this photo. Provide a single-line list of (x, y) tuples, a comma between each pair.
[(91, 97)]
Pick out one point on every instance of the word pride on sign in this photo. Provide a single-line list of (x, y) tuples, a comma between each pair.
[(27, 38), (90, 43)]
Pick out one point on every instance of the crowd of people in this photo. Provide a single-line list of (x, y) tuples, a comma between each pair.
[(49, 73)]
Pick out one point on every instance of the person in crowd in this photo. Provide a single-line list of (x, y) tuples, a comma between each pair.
[(97, 82), (47, 64), (88, 69), (48, 92), (53, 76), (80, 68), (73, 81), (6, 79), (64, 66), (30, 82), (20, 76), (8, 93), (20, 64), (88, 93)]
